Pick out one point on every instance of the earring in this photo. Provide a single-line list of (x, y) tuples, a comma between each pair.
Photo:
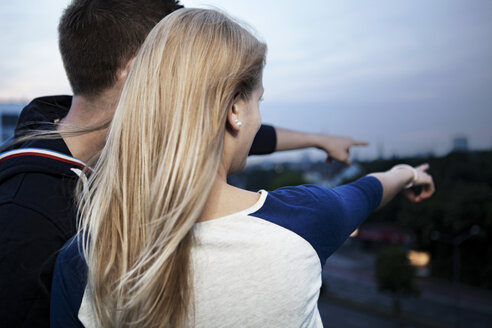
[(238, 122)]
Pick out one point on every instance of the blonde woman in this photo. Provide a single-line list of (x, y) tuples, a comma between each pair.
[(164, 241)]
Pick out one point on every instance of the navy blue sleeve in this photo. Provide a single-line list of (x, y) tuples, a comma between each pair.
[(67, 291), (324, 217), (265, 141)]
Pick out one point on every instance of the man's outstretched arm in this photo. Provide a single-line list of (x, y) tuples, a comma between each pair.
[(270, 139)]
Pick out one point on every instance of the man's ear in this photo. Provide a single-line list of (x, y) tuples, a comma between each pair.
[(123, 74)]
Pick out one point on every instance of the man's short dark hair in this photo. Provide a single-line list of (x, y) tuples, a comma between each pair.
[(99, 37)]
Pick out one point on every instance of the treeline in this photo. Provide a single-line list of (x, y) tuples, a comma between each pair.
[(463, 199)]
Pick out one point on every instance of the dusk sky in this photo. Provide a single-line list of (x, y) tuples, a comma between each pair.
[(407, 76)]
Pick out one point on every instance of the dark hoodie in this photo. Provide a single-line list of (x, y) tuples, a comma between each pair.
[(36, 218), (37, 214)]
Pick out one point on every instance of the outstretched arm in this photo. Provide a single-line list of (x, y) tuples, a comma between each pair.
[(336, 147), (355, 201)]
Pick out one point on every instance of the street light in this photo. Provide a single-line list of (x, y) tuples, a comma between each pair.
[(456, 242)]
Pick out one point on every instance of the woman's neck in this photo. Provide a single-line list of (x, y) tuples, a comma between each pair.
[(225, 199)]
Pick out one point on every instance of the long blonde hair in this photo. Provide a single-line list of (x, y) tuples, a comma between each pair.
[(153, 177)]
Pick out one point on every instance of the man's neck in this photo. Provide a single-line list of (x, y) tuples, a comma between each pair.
[(85, 113)]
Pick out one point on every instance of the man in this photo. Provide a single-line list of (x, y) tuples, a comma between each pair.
[(97, 40)]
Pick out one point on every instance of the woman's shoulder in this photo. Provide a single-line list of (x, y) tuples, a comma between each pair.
[(70, 263), (297, 195), (69, 283), (299, 208), (324, 217), (71, 252)]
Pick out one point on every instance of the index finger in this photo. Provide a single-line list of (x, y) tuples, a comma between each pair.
[(423, 167), (359, 143)]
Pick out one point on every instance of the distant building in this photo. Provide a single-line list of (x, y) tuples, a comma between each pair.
[(380, 149), (9, 114), (460, 143)]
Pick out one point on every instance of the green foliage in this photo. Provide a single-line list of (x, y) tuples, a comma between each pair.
[(288, 178), (393, 272), (256, 178)]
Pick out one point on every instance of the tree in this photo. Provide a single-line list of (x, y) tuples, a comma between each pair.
[(287, 178), (394, 274)]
